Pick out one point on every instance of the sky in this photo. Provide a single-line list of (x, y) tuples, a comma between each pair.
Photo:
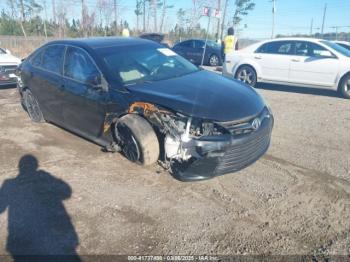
[(291, 17)]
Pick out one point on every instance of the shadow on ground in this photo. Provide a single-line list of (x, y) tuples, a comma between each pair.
[(299, 90), (38, 223)]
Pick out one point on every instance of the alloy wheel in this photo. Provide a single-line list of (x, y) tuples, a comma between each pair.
[(130, 147), (246, 75), (214, 60), (347, 87), (32, 106)]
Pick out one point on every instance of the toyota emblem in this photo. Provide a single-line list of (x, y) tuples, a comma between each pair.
[(256, 124)]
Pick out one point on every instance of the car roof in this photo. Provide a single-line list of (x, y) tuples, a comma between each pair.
[(342, 42), (102, 42), (315, 40)]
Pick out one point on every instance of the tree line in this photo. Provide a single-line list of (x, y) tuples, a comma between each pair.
[(107, 17)]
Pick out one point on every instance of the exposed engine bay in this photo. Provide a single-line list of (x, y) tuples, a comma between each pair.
[(180, 133)]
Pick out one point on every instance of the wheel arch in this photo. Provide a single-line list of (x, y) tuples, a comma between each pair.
[(253, 65)]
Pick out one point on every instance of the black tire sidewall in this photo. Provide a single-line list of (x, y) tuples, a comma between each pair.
[(145, 137), (342, 91)]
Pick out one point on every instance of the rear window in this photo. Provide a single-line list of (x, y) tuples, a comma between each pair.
[(277, 47)]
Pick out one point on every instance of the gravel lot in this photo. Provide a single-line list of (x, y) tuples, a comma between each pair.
[(295, 200)]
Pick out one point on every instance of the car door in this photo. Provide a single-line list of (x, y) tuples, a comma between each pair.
[(45, 81), (313, 65), (274, 59), (85, 101), (198, 50), (184, 49)]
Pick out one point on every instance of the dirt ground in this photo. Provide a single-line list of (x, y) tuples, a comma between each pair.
[(295, 200)]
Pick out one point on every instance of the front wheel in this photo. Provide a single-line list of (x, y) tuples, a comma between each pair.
[(214, 60), (137, 139), (344, 88), (32, 107), (247, 75)]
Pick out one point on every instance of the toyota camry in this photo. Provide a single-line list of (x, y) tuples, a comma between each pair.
[(139, 98)]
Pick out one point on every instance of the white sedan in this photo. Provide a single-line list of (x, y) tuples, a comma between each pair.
[(292, 61), (8, 66)]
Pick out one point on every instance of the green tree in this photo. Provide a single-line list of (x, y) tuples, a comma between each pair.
[(242, 8)]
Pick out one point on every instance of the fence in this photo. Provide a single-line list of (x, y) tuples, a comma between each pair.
[(21, 46)]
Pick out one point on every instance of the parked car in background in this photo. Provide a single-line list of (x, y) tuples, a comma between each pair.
[(156, 37), (343, 44), (137, 97), (293, 61), (193, 50), (8, 66)]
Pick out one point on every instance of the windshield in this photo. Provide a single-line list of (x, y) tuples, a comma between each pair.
[(337, 48), (138, 65), (213, 44)]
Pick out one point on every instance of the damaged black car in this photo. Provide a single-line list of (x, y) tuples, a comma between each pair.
[(139, 98)]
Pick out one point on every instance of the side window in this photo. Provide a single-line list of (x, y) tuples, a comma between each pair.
[(78, 65), (37, 58), (52, 58), (187, 44), (277, 47), (311, 49), (198, 44)]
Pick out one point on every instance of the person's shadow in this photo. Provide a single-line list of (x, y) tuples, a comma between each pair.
[(38, 223)]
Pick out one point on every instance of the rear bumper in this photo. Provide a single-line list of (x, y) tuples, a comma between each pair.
[(229, 154), (8, 82), (7, 78)]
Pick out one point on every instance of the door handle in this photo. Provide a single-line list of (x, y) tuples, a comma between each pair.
[(61, 87), (295, 60), (257, 57)]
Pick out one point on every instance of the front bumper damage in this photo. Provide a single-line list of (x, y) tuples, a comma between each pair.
[(224, 154)]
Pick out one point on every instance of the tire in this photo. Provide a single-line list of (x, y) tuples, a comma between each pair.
[(344, 86), (247, 75), (137, 139), (32, 107), (214, 60)]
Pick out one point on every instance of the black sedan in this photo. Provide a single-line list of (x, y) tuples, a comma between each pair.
[(193, 50), (144, 100)]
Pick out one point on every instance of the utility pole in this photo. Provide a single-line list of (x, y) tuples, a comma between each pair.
[(336, 31), (273, 18), (223, 20), (206, 37), (324, 18), (115, 17), (218, 26), (45, 30), (144, 16), (311, 26)]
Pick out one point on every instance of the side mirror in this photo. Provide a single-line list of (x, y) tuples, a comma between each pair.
[(94, 80), (8, 51)]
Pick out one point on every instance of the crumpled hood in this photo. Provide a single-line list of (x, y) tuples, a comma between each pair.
[(202, 94), (7, 59)]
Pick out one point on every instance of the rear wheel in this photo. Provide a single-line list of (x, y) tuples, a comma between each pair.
[(344, 87), (137, 139), (247, 75), (32, 106), (214, 60)]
